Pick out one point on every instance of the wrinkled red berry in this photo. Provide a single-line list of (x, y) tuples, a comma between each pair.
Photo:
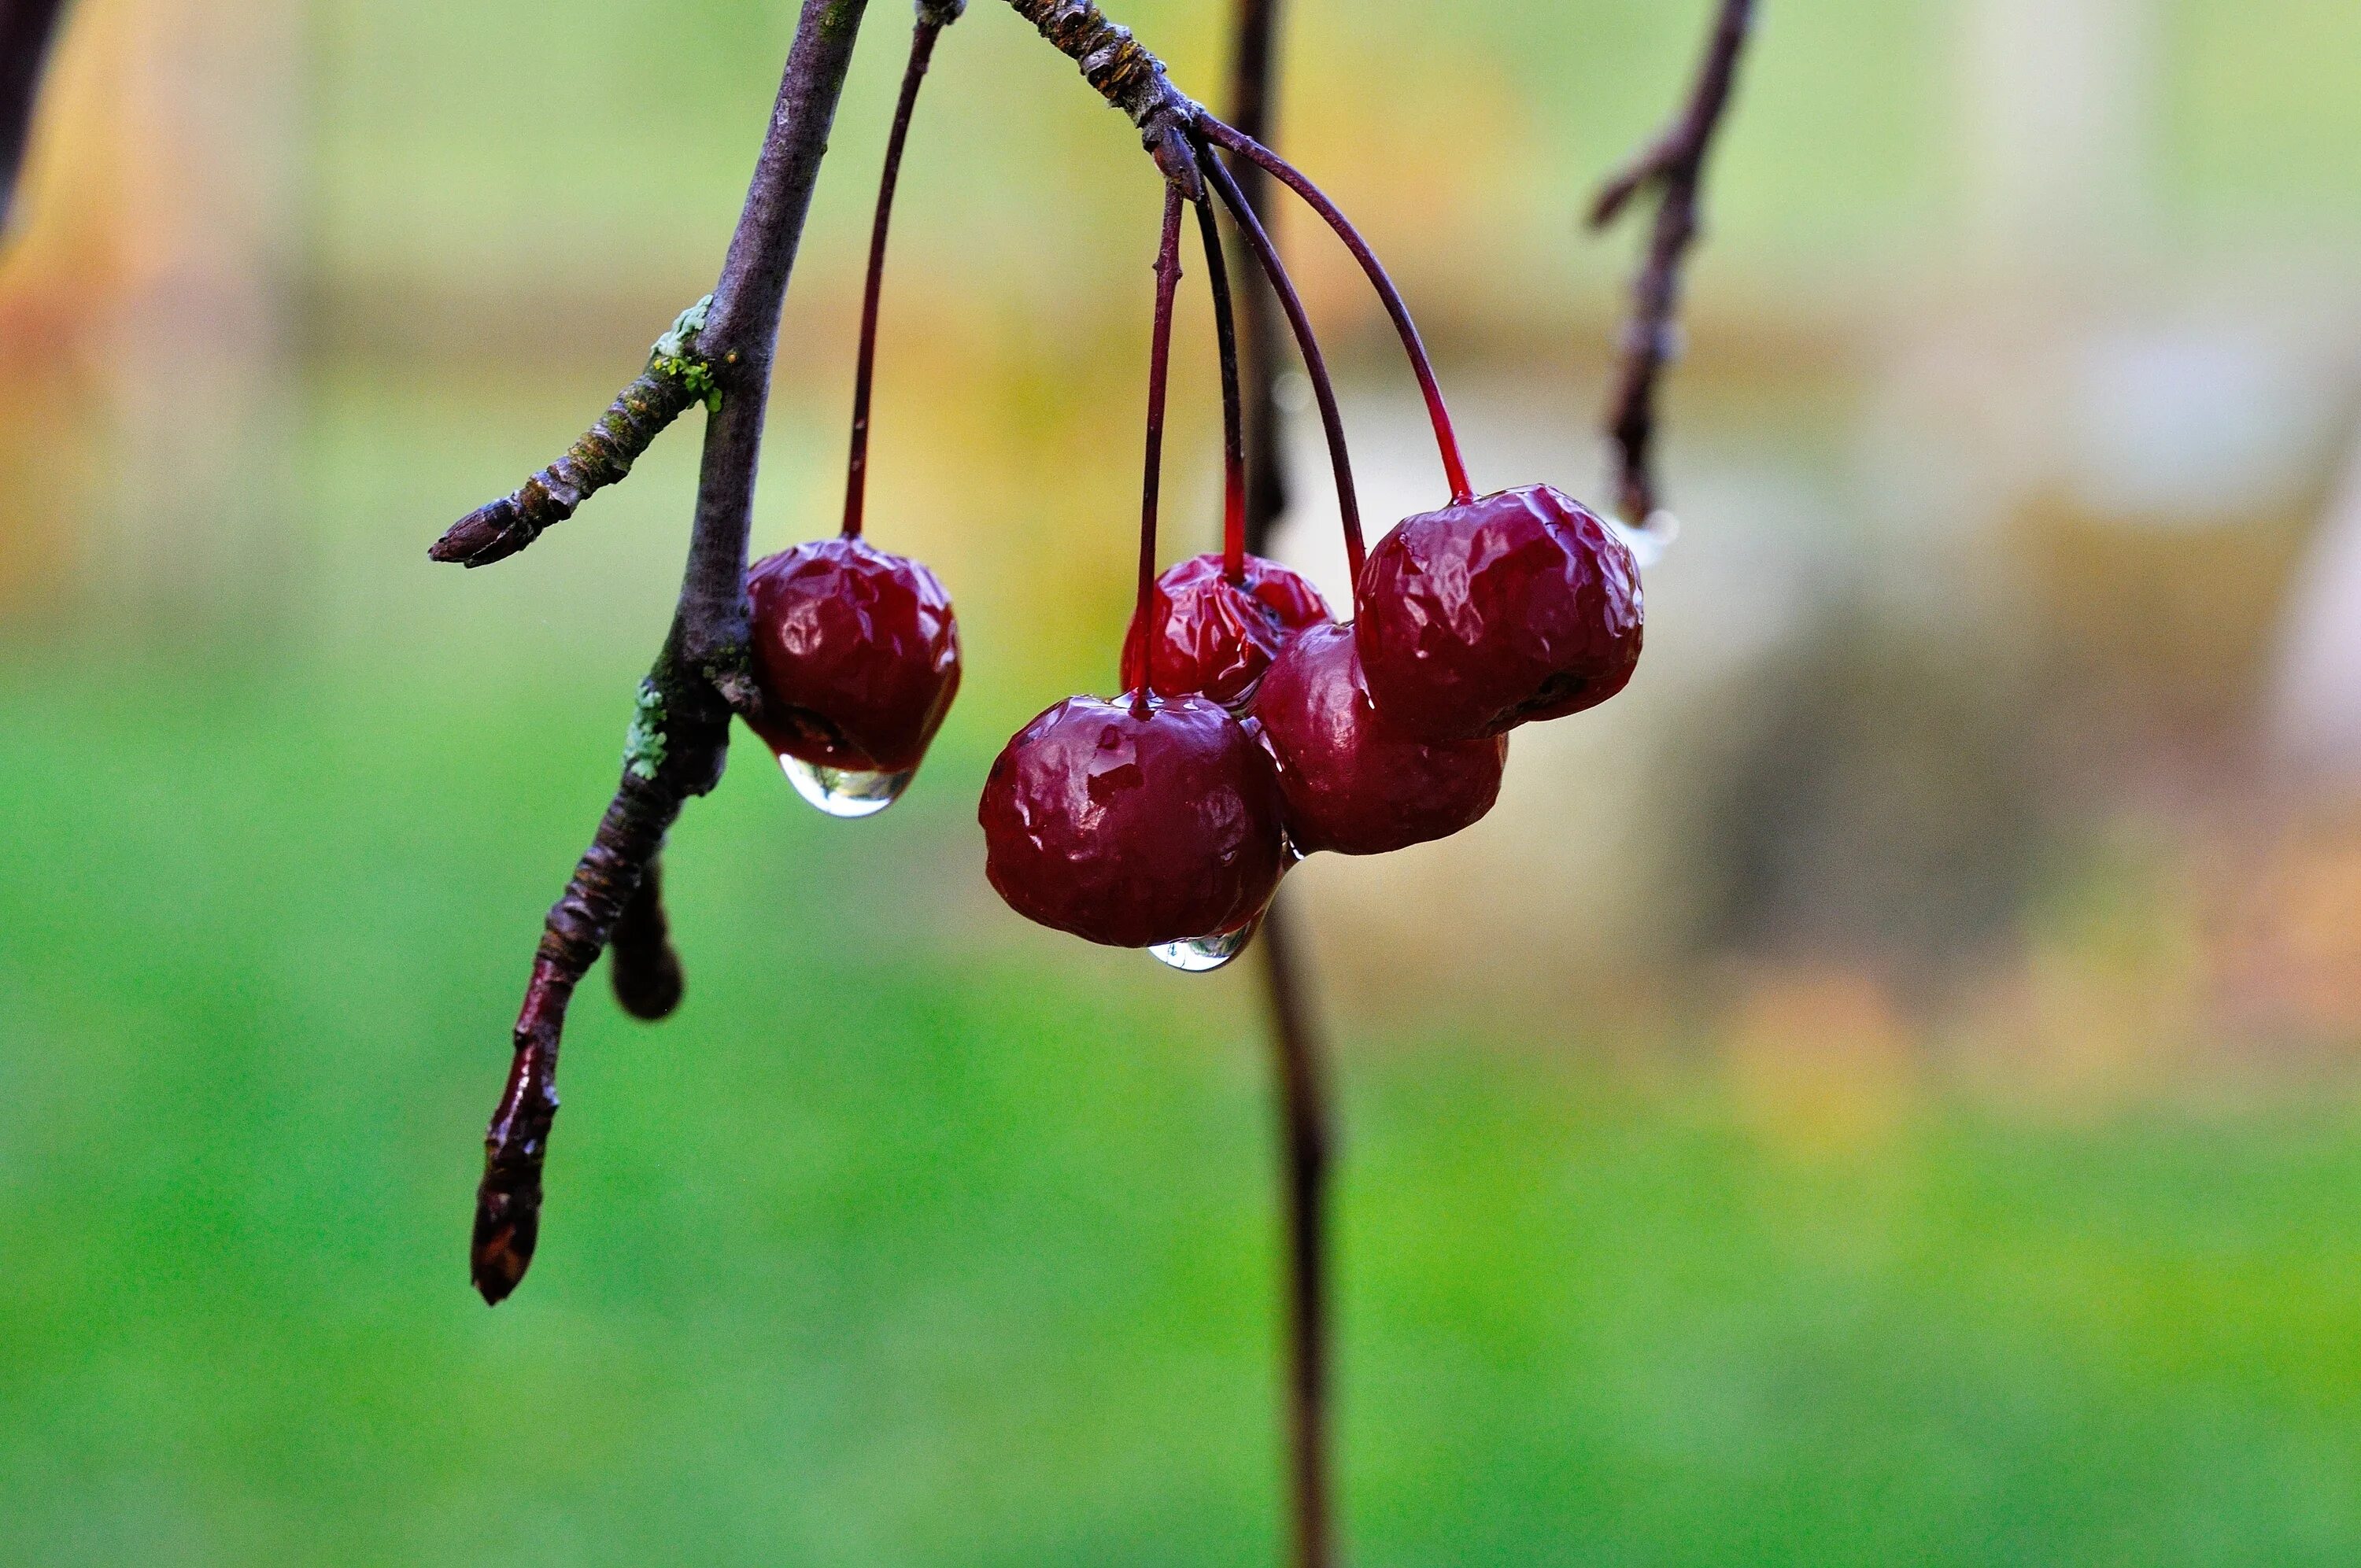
[(1351, 779), (1218, 637), (1516, 606), (1133, 829), (856, 652)]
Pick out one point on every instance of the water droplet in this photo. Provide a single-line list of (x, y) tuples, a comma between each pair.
[(845, 792), (1199, 955), (1648, 542)]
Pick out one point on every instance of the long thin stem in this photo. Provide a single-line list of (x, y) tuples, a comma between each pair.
[(1675, 163), (1234, 436), (923, 35), (1447, 439), (1316, 364), (1160, 370), (680, 735)]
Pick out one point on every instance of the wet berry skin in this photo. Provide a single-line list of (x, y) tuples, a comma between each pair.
[(1351, 780), (856, 652), (1218, 637), (1516, 606), (1133, 830)]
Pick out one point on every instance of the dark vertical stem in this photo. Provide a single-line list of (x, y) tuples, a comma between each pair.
[(1305, 1125), (1234, 448), (1446, 440), (1675, 164), (1254, 67), (856, 477), (1316, 364), (1305, 1119), (1160, 368), (25, 27)]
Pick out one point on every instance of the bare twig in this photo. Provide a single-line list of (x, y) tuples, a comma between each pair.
[(1306, 1117), (1254, 93), (679, 736), (1673, 164), (26, 29), (676, 376)]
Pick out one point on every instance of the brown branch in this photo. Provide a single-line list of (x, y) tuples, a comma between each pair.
[(1125, 73), (680, 734), (26, 28), (1673, 164), (676, 378), (1305, 1116), (641, 963), (1253, 64)]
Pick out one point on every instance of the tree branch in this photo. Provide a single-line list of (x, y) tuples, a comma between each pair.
[(1306, 1119), (26, 28), (1253, 64), (1673, 164), (676, 376), (680, 733)]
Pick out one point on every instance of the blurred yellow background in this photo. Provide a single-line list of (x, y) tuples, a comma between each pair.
[(1881, 1089)]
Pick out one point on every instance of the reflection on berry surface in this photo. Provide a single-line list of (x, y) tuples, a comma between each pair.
[(1352, 779), (856, 652), (1216, 637), (1516, 606), (1134, 828)]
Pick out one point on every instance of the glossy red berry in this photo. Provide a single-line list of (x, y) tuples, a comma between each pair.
[(1133, 829), (856, 652), (1351, 780), (1217, 636), (1516, 606)]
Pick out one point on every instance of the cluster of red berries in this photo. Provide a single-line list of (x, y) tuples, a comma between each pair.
[(1254, 729)]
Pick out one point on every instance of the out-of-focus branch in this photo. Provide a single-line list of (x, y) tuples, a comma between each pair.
[(679, 735), (1254, 67), (1305, 1119), (1673, 165), (26, 29)]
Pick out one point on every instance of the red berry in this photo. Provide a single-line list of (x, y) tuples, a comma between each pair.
[(1516, 606), (1351, 779), (1133, 829), (856, 652), (1218, 637)]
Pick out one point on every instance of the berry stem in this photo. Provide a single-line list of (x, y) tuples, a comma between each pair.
[(856, 477), (1446, 440), (1234, 432), (1159, 367), (1316, 364)]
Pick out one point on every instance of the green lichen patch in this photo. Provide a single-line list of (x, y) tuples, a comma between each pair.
[(643, 742), (675, 356)]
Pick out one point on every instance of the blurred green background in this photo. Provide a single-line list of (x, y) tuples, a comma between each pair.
[(1884, 1089)]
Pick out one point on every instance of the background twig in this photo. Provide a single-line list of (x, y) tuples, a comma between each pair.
[(26, 28), (1675, 164), (1299, 1078)]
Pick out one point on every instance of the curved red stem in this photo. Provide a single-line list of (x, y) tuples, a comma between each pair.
[(1159, 368), (1316, 364), (856, 478), (1446, 440)]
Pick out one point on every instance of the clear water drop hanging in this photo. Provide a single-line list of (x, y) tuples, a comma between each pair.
[(845, 792), (1202, 955)]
